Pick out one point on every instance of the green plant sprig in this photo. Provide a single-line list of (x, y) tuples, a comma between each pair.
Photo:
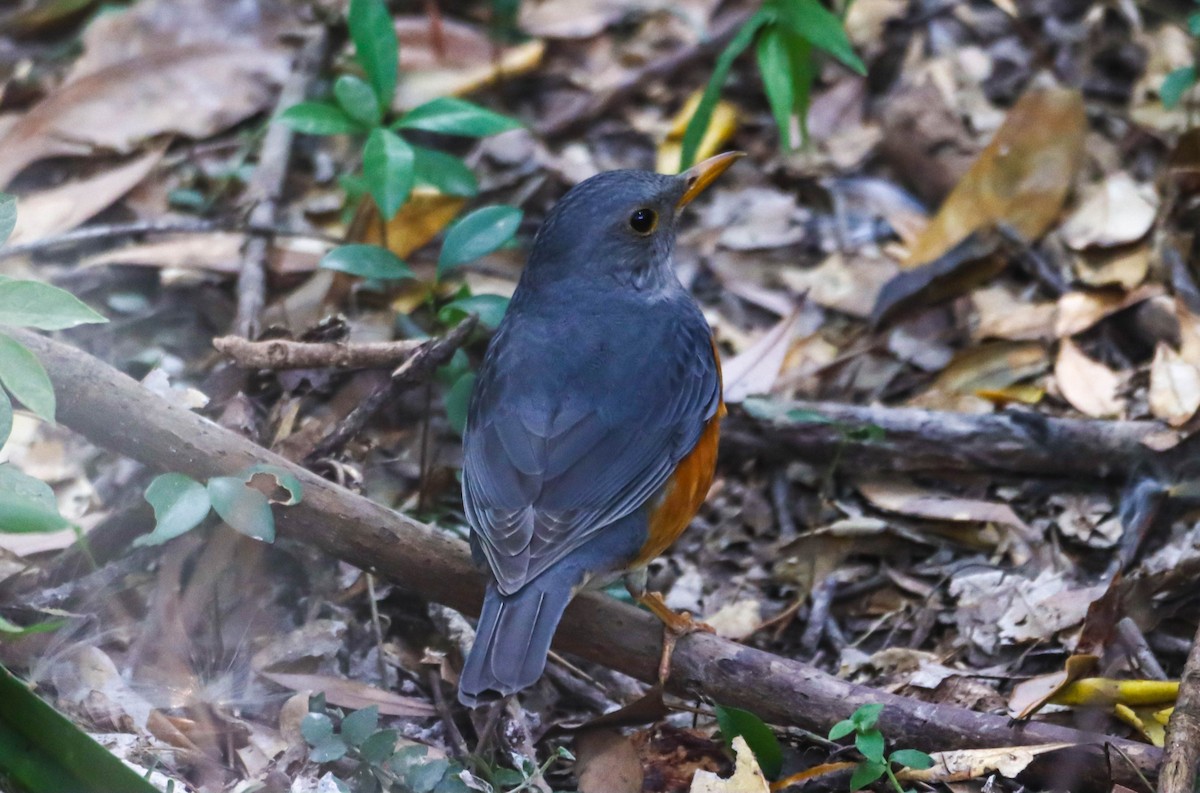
[(785, 33), (870, 743)]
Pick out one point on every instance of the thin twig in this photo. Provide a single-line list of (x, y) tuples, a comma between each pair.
[(279, 354), (116, 231), (1182, 748), (595, 105), (266, 185)]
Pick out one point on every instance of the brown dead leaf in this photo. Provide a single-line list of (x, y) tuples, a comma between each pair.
[(607, 762), (1030, 696), (1125, 267), (972, 261), (195, 91), (747, 776), (1003, 315), (1174, 386), (989, 367), (849, 286), (755, 369), (905, 498), (1078, 311), (461, 60), (1021, 178), (35, 15), (964, 764), (352, 694), (1119, 212), (64, 207), (1090, 386)]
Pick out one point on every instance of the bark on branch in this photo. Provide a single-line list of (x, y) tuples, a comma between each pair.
[(287, 354), (909, 439), (116, 412), (1183, 731)]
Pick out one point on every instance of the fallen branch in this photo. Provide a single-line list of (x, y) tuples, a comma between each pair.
[(285, 354), (116, 412), (1182, 748), (115, 231), (877, 438), (266, 185)]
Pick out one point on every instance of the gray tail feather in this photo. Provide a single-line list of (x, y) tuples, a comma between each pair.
[(512, 640)]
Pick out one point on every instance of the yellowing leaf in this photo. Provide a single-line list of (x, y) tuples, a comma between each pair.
[(721, 127), (1149, 721), (418, 221), (1090, 386), (1021, 179), (1096, 691)]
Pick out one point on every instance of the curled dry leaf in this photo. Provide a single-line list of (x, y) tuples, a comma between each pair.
[(352, 694), (1002, 315), (453, 59), (1174, 386), (747, 776), (755, 369), (1119, 212), (842, 284), (1078, 311), (1090, 386), (1021, 179), (964, 764), (64, 207), (988, 368), (195, 91)]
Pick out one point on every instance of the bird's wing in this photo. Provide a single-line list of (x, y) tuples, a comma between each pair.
[(550, 461)]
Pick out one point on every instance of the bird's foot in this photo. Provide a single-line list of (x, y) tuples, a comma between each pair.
[(676, 624)]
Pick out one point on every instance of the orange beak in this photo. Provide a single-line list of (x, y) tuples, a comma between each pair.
[(702, 174)]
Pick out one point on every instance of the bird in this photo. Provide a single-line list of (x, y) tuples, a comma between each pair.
[(591, 434)]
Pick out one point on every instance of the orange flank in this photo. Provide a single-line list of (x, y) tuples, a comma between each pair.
[(686, 490)]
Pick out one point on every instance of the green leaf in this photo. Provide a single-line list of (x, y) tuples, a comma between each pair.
[(8, 216), (477, 234), (317, 728), (823, 29), (378, 747), (6, 417), (489, 308), (870, 744), (912, 758), (424, 778), (367, 261), (32, 304), (445, 172), (9, 630), (841, 730), (375, 46), (179, 503), (712, 92), (864, 774), (1176, 84), (452, 116), (328, 751), (866, 716), (358, 99), (27, 505), (388, 170), (456, 401), (42, 751), (775, 66), (759, 737), (358, 726), (242, 507), (282, 478), (1193, 22), (25, 378), (319, 118)]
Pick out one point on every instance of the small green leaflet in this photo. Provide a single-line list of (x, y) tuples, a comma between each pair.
[(357, 98), (375, 46), (457, 400), (25, 377), (388, 170), (8, 216), (367, 261), (32, 304), (319, 118), (452, 116), (180, 503), (27, 505), (759, 737), (242, 507), (477, 234)]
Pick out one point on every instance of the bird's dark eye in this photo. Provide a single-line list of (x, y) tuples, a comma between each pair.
[(643, 221)]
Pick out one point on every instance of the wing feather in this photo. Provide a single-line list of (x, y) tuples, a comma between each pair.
[(562, 441)]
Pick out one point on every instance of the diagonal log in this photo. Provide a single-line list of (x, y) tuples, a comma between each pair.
[(116, 412)]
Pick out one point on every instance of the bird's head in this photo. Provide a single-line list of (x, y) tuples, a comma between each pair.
[(618, 225)]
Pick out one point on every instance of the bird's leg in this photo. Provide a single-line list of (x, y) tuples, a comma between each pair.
[(676, 624)]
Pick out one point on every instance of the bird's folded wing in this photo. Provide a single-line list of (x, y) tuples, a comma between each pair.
[(546, 465)]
